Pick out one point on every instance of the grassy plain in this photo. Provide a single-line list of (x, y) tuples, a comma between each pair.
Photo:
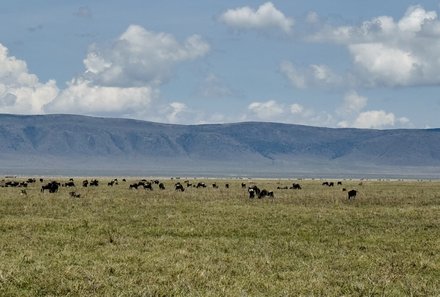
[(216, 242)]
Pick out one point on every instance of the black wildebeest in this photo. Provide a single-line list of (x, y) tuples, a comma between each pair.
[(352, 194)]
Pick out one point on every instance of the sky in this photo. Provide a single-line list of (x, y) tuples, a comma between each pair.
[(362, 64)]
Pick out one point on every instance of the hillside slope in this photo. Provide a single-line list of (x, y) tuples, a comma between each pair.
[(66, 144)]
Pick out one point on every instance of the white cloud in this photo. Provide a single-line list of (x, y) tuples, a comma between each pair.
[(296, 108), (294, 113), (124, 78), (353, 102), (266, 110), (387, 52), (312, 76), (265, 17), (384, 64), (20, 91), (295, 77), (374, 119), (177, 108), (82, 97), (140, 57)]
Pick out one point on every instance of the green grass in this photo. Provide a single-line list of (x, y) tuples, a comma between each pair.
[(217, 242)]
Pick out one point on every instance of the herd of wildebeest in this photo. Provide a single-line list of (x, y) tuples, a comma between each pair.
[(253, 190)]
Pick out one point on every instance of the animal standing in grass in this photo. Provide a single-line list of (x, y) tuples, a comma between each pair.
[(352, 194)]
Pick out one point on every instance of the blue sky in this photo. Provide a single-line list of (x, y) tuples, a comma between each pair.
[(372, 64)]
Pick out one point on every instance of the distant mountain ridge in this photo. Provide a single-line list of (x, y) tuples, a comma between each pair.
[(73, 144)]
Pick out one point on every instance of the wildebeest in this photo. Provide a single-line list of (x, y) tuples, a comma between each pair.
[(352, 194), (215, 186), (161, 186), (265, 193), (94, 183), (243, 185), (74, 195), (339, 183), (85, 183), (253, 190), (296, 186), (227, 186), (148, 186), (69, 184), (201, 185), (52, 187), (178, 186)]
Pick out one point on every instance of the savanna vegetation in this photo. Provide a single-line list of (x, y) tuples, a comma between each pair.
[(112, 241)]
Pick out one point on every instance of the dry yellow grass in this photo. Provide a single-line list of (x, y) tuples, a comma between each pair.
[(216, 242)]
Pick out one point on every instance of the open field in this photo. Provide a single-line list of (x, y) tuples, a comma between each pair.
[(113, 241)]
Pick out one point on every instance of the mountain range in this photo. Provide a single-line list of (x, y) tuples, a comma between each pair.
[(84, 146)]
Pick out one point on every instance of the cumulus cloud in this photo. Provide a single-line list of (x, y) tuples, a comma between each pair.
[(387, 52), (124, 78), (313, 75), (266, 110), (82, 97), (267, 16), (140, 57), (20, 91), (376, 119), (294, 113)]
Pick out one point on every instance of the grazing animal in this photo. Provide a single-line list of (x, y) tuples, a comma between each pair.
[(201, 185), (52, 187), (69, 184), (85, 183), (251, 192), (161, 186), (74, 195), (296, 186), (339, 183), (352, 194), (243, 185), (227, 186), (215, 186), (344, 189), (94, 183), (178, 186), (148, 186), (265, 193)]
